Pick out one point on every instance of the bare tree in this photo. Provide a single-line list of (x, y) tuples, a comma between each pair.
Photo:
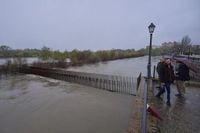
[(185, 43)]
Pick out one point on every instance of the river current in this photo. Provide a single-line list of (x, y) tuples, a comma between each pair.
[(33, 104)]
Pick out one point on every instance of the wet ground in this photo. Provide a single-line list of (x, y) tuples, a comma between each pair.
[(29, 104), (183, 116)]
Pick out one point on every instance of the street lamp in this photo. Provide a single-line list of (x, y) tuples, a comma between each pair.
[(151, 30), (149, 83)]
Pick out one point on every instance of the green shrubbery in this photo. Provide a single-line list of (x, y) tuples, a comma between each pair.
[(12, 66), (77, 57)]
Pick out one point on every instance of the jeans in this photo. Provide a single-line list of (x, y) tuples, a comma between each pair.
[(162, 90)]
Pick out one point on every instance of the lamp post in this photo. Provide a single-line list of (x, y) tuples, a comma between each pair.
[(151, 30), (144, 118)]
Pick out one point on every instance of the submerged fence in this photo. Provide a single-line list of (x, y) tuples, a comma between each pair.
[(122, 84)]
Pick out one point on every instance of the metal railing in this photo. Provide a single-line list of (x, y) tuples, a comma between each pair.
[(115, 83), (144, 111)]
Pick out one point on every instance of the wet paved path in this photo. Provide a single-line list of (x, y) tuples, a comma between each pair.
[(29, 104), (184, 114)]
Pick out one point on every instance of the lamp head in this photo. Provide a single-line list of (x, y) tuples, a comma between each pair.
[(151, 28)]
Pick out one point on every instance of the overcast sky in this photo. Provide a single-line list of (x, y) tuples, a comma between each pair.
[(96, 24)]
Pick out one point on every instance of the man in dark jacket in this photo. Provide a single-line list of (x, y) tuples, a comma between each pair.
[(181, 76), (160, 66), (159, 69), (166, 78)]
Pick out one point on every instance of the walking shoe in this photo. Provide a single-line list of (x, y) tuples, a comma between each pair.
[(168, 103), (157, 96), (158, 87)]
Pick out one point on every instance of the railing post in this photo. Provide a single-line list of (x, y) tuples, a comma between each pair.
[(154, 71), (144, 113)]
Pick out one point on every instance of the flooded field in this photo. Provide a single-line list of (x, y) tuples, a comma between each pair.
[(31, 104)]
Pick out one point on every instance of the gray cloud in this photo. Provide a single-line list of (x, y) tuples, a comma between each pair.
[(96, 24)]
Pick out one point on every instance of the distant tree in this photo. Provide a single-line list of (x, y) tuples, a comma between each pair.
[(185, 44), (57, 55), (157, 51), (4, 48), (66, 54), (45, 53), (177, 48), (5, 51), (73, 56), (103, 55), (143, 51)]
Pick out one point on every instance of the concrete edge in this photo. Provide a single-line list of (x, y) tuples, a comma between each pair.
[(193, 83), (187, 83), (136, 115)]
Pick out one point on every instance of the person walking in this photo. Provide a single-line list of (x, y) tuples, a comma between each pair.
[(159, 70), (182, 75), (166, 78)]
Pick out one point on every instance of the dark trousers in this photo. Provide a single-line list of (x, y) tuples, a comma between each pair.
[(162, 90)]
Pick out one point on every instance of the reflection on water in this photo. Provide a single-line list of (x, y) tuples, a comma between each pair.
[(129, 67)]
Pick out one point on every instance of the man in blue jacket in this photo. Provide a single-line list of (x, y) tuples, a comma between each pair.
[(181, 76)]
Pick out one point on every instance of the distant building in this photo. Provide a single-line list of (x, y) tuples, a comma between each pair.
[(168, 44), (196, 46), (154, 46)]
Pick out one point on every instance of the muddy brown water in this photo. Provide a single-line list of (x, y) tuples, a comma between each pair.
[(124, 67), (32, 104)]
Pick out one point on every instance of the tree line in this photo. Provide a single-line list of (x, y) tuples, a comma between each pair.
[(6, 51), (87, 56), (76, 56)]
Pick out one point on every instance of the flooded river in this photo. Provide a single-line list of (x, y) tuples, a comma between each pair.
[(31, 104), (128, 67)]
